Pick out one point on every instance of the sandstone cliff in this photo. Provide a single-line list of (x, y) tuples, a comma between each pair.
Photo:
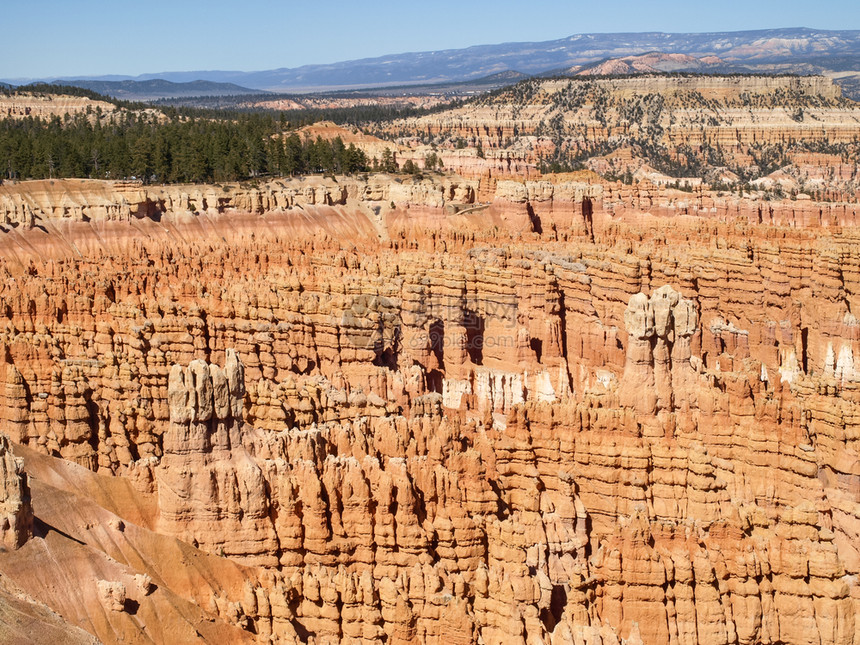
[(566, 415), (687, 124), (675, 110), (21, 105)]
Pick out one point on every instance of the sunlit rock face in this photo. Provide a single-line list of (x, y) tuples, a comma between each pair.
[(436, 426)]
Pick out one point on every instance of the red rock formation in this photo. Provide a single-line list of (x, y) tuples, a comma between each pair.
[(16, 513), (536, 422), (722, 128), (208, 493)]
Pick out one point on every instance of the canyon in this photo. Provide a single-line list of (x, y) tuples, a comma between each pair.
[(574, 361), (437, 409)]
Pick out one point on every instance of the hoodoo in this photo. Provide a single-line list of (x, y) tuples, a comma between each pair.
[(466, 399)]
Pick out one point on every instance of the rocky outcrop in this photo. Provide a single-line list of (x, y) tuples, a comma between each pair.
[(389, 203), (209, 491), (644, 199), (112, 595), (644, 430), (21, 105), (16, 512), (658, 368), (696, 128), (690, 110)]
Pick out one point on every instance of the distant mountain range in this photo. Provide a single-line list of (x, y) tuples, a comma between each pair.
[(133, 90), (130, 90), (798, 50)]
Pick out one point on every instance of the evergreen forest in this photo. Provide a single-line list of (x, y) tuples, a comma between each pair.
[(167, 146)]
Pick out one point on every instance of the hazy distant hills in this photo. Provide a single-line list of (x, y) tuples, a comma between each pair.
[(769, 46), (799, 50), (133, 90)]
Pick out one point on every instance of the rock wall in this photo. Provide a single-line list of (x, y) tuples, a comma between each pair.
[(542, 427), (21, 105), (529, 122), (646, 200), (93, 200)]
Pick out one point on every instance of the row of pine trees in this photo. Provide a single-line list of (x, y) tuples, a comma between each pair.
[(154, 148)]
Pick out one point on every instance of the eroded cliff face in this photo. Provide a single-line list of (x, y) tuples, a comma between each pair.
[(44, 106), (719, 111), (540, 422), (787, 135)]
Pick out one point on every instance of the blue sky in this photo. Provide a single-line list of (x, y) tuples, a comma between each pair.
[(46, 38)]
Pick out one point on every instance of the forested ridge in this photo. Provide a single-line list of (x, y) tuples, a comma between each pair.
[(165, 145), (168, 142), (150, 148)]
